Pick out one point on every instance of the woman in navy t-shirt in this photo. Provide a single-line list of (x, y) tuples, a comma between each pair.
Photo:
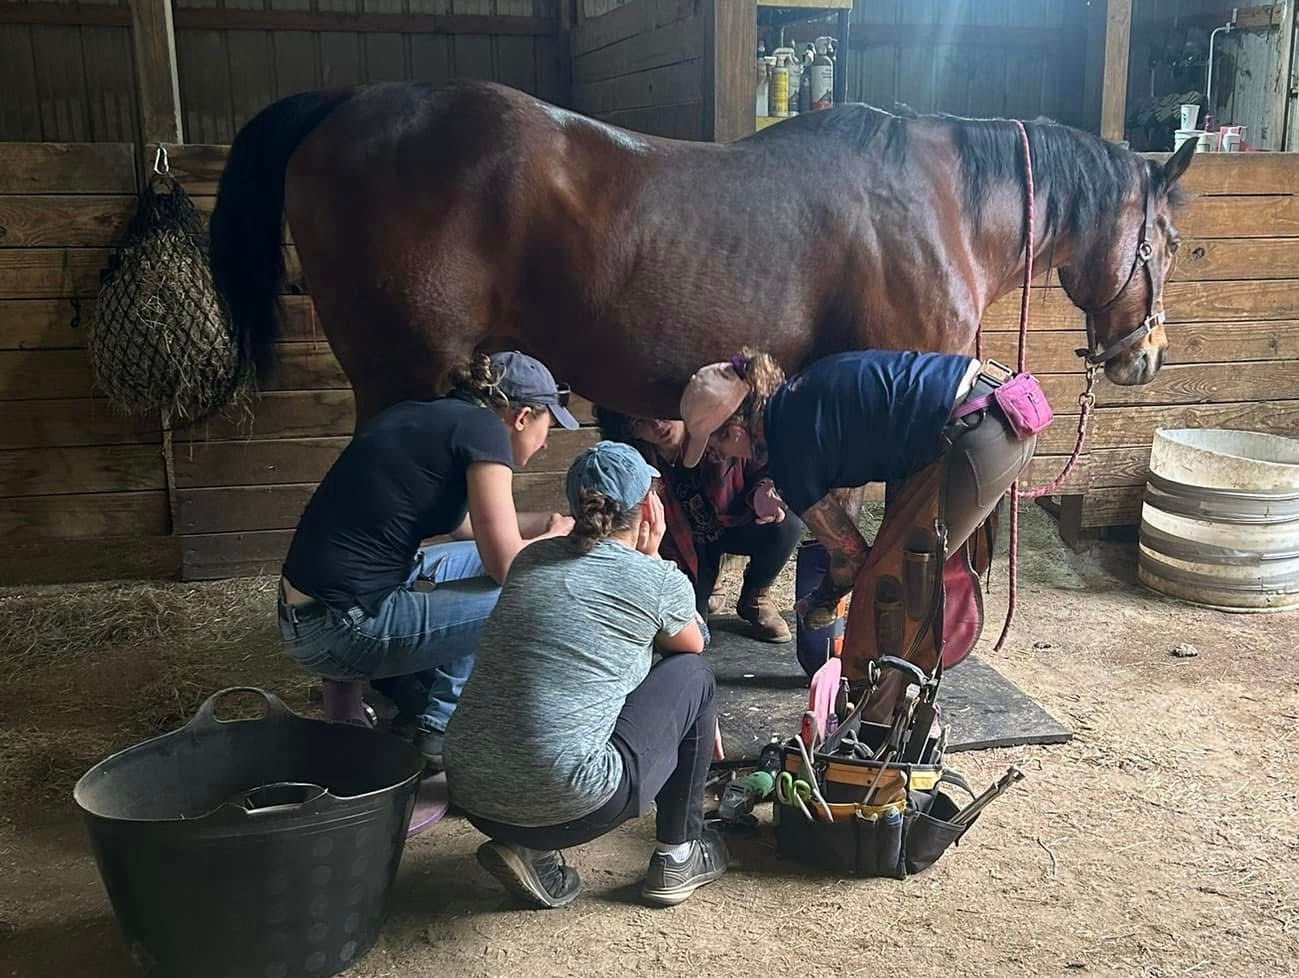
[(851, 419), (362, 597)]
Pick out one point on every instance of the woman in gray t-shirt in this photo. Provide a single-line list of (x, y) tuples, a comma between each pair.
[(565, 729)]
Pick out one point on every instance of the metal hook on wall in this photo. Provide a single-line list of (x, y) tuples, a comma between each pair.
[(161, 164)]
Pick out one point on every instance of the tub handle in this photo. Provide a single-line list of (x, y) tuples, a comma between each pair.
[(279, 797), (206, 714)]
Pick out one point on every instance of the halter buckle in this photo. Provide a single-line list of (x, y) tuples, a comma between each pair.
[(1145, 251)]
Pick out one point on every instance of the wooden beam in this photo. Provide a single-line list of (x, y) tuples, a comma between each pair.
[(730, 29), (1114, 83), (212, 19), (67, 168), (960, 35), (157, 83)]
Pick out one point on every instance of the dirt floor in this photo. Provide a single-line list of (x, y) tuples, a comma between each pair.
[(1160, 842)]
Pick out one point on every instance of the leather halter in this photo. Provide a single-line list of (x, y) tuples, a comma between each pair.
[(1142, 259)]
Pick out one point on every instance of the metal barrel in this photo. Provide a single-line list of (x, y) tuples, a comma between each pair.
[(1220, 519)]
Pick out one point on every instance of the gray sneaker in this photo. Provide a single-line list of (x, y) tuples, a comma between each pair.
[(668, 882), (429, 743), (541, 879)]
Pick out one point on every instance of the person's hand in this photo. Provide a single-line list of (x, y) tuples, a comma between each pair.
[(653, 525), (559, 525), (768, 507)]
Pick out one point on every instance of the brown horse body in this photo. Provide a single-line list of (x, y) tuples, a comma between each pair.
[(433, 223)]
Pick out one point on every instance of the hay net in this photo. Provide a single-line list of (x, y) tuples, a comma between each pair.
[(159, 339)]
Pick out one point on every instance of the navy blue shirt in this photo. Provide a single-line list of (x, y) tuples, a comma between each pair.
[(399, 481), (854, 418)]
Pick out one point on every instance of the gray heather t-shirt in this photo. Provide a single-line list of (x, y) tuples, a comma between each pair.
[(571, 635)]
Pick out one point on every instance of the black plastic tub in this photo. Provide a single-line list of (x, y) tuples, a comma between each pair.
[(260, 848)]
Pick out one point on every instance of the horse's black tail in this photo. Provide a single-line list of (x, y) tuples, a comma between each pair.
[(246, 256)]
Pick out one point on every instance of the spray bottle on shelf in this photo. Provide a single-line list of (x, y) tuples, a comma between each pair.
[(822, 76)]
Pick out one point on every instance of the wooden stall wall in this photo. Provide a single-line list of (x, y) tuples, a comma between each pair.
[(982, 58), (65, 68), (64, 81), (82, 490), (643, 65)]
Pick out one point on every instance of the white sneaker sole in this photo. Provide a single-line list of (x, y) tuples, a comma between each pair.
[(673, 895)]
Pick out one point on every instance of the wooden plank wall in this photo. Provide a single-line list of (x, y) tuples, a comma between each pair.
[(82, 490), (63, 83), (61, 80), (642, 66), (980, 58)]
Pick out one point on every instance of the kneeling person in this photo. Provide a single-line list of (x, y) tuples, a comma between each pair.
[(564, 731)]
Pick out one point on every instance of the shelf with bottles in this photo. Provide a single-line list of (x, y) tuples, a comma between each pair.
[(789, 32)]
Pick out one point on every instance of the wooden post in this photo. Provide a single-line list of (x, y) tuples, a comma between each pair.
[(1114, 86), (153, 40), (730, 44)]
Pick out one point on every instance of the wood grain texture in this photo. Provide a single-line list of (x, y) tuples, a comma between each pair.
[(1264, 216), (63, 221), (1131, 427), (71, 421), (28, 324), (95, 468), (156, 75), (108, 559), (84, 516), (41, 273)]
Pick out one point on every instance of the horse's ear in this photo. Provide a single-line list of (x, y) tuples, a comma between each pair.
[(1178, 162)]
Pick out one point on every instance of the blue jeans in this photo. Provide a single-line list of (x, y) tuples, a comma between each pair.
[(413, 630)]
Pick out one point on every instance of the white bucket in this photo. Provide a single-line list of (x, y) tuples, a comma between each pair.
[(1206, 141), (1220, 521)]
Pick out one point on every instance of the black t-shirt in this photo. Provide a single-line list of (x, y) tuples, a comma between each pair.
[(401, 479), (854, 418)]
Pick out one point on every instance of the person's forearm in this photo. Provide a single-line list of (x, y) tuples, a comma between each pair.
[(533, 525), (842, 540)]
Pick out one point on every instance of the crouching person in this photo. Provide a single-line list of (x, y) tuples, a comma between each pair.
[(566, 730)]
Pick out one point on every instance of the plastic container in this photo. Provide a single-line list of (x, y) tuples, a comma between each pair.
[(261, 847), (1220, 521), (1206, 142)]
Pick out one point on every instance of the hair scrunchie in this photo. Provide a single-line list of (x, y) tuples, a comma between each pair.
[(741, 365)]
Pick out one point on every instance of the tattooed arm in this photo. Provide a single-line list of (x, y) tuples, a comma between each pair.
[(840, 537)]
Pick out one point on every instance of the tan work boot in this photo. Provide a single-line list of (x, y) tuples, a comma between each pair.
[(757, 608)]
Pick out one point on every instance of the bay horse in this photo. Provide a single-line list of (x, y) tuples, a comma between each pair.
[(435, 222)]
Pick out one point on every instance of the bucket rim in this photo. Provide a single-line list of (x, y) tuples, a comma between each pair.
[(282, 715)]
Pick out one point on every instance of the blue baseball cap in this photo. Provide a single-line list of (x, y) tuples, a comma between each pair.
[(526, 380), (613, 468)]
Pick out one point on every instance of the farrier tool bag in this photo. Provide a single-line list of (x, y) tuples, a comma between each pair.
[(858, 805)]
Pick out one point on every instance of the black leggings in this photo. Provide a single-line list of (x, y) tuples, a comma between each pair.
[(664, 735), (768, 547)]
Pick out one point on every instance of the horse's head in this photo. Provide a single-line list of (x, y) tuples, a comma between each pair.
[(1116, 274)]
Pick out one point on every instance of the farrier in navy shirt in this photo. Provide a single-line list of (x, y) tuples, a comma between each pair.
[(854, 418)]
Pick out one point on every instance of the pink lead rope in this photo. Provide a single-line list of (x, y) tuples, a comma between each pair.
[(1085, 401)]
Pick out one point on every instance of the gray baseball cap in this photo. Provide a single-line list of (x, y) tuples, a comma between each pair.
[(527, 380), (613, 468)]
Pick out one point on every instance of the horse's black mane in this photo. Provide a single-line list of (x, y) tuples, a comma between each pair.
[(1084, 179)]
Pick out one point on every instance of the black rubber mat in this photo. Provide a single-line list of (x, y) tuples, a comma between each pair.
[(763, 690)]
